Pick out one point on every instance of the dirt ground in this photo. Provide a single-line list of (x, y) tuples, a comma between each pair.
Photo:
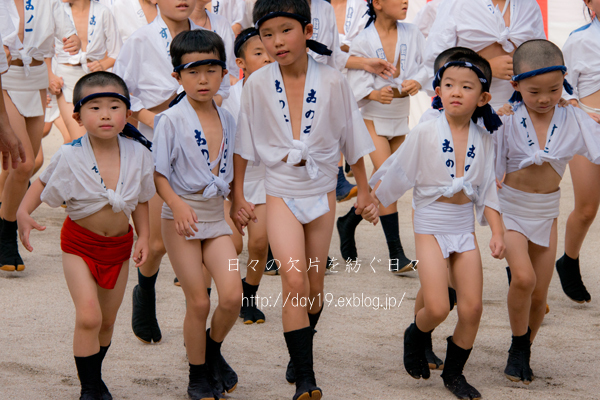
[(358, 347)]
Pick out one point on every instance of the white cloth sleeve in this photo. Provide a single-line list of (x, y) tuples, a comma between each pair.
[(163, 151), (63, 27), (573, 77), (356, 141), (500, 151), (361, 81), (113, 38), (590, 130), (56, 186), (488, 195), (127, 58), (244, 143), (147, 188)]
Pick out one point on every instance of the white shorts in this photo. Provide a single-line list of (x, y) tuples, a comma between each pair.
[(452, 225), (24, 91), (70, 75), (390, 120), (307, 209), (210, 213), (531, 214)]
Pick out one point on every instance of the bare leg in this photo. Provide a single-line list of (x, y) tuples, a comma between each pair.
[(110, 301), (237, 239), (258, 245), (522, 284)]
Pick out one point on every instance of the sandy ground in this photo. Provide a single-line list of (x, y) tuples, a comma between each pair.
[(358, 347)]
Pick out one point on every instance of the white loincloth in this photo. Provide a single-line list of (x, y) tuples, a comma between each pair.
[(70, 75), (24, 91), (307, 209)]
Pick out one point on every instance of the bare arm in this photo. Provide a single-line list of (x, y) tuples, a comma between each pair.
[(141, 221), (185, 217), (365, 204), (10, 145), (497, 243), (241, 212), (30, 203), (373, 65), (145, 117)]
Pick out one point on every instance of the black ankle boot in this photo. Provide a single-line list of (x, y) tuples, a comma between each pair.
[(452, 297), (570, 279), (454, 380), (517, 367), (104, 392), (201, 385), (433, 361), (88, 369), (10, 259), (143, 318), (313, 319), (399, 263), (225, 377), (300, 347), (415, 360), (272, 266), (249, 310), (346, 227)]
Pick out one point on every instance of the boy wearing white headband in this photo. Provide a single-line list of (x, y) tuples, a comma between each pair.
[(533, 148), (105, 177), (296, 117), (450, 164)]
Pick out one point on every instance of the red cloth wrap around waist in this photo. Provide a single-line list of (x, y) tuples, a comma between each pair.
[(103, 255)]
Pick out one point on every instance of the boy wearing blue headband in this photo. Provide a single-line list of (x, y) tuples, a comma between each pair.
[(449, 161), (104, 177), (193, 158), (533, 148), (296, 116)]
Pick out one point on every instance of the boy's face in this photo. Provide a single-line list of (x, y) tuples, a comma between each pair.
[(104, 117), (594, 5), (461, 92), (284, 39), (254, 56), (396, 9), (542, 92), (176, 10), (200, 83)]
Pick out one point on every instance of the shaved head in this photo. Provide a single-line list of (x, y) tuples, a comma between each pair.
[(536, 54)]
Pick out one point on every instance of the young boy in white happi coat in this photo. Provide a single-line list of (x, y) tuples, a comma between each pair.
[(131, 15), (449, 161), (385, 107), (533, 148), (296, 116), (24, 90), (233, 10), (251, 56), (105, 177), (144, 63), (193, 156)]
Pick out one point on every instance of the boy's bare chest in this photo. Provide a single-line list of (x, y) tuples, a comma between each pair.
[(109, 167), (501, 5), (81, 19), (294, 89), (339, 8), (389, 42), (213, 133), (460, 151), (21, 11), (541, 130)]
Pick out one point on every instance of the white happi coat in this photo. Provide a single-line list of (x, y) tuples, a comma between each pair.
[(233, 10), (181, 153), (129, 17), (331, 121), (355, 21), (102, 38), (73, 177), (325, 31), (582, 58), (425, 162), (220, 25), (477, 24)]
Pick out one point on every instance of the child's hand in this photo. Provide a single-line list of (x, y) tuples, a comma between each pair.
[(56, 84), (502, 67), (241, 213), (563, 103), (411, 87), (26, 223), (595, 117), (380, 67), (505, 110), (95, 66), (8, 55), (367, 206), (72, 44), (497, 246), (185, 219), (384, 95), (140, 251)]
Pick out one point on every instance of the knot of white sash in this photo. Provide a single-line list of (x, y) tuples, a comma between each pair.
[(116, 201), (80, 58), (458, 184), (538, 158), (504, 41), (217, 187), (27, 59), (299, 153)]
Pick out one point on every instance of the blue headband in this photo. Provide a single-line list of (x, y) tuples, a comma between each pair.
[(199, 63), (370, 12), (93, 96), (517, 98), (315, 46), (490, 119), (241, 41)]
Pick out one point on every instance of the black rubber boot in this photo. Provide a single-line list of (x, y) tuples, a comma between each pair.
[(399, 263), (508, 275), (454, 380), (88, 369), (272, 266), (300, 347), (10, 259), (346, 227), (433, 361), (415, 359), (313, 320), (517, 367), (452, 297), (225, 377), (249, 310), (104, 392), (201, 385), (570, 279), (344, 189), (143, 319)]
